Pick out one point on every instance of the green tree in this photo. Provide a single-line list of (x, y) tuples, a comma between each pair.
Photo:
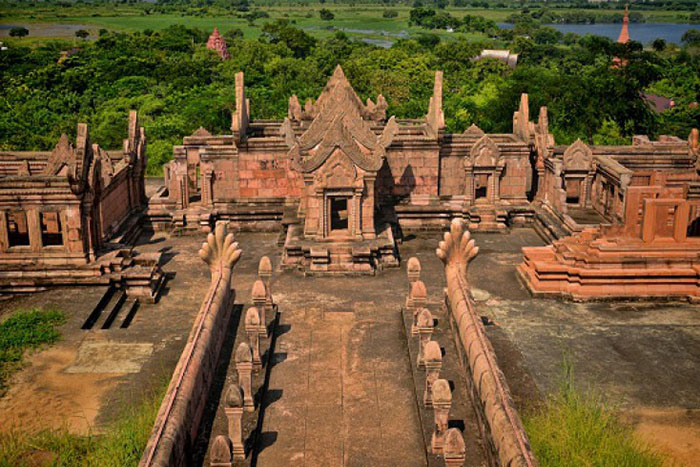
[(82, 34), (19, 31), (326, 14)]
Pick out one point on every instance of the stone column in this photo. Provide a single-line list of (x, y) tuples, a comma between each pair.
[(442, 402), (259, 299), (417, 299), (432, 358), (34, 229), (454, 450), (234, 414), (244, 366), (252, 329), (220, 453), (425, 330)]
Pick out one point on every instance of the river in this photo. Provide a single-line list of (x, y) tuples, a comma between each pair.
[(640, 32)]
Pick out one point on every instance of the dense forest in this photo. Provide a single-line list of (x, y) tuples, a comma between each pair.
[(178, 85)]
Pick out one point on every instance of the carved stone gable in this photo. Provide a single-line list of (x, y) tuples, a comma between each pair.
[(337, 172), (62, 159), (474, 131), (578, 156), (485, 153)]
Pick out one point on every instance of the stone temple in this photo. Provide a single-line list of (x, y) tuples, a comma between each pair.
[(426, 355)]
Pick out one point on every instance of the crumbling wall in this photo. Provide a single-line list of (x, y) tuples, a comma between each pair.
[(181, 411)]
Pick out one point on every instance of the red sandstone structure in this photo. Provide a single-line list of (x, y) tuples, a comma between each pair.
[(218, 45), (69, 215)]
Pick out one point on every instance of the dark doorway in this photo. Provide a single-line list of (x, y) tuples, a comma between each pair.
[(573, 191), (339, 213), (17, 229)]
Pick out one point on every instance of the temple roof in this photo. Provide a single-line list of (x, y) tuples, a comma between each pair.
[(339, 123)]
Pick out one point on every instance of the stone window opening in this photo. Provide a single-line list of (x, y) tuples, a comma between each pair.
[(481, 187), (51, 231), (339, 214), (17, 229)]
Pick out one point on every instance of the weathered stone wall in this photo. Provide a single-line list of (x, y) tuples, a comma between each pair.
[(115, 204), (181, 411), (411, 168)]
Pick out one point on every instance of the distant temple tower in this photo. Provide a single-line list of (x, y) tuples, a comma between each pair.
[(624, 36), (218, 44)]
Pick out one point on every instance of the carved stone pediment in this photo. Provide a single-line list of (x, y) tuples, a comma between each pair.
[(474, 131), (484, 153), (578, 156), (62, 159), (201, 132), (337, 172)]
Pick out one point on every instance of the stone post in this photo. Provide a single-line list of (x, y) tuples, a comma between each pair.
[(425, 330), (432, 359), (442, 402), (413, 268), (417, 299), (234, 414), (220, 453), (252, 329), (454, 450), (244, 366), (259, 299), (265, 273)]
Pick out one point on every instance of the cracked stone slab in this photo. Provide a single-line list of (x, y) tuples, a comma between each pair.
[(110, 357)]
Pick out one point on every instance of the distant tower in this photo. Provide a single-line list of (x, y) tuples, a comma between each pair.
[(217, 43), (624, 36)]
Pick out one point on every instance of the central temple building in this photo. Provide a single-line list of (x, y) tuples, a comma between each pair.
[(345, 180)]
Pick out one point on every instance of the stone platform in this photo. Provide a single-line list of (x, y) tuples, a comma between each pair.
[(338, 256)]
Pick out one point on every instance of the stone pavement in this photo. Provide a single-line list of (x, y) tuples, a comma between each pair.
[(340, 390)]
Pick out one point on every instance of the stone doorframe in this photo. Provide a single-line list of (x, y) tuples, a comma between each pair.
[(485, 158), (354, 197)]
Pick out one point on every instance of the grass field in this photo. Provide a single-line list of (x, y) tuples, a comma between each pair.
[(359, 22)]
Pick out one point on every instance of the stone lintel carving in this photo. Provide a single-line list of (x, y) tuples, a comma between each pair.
[(244, 366), (425, 330), (221, 452), (432, 358), (578, 157), (484, 153), (234, 415), (442, 403)]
